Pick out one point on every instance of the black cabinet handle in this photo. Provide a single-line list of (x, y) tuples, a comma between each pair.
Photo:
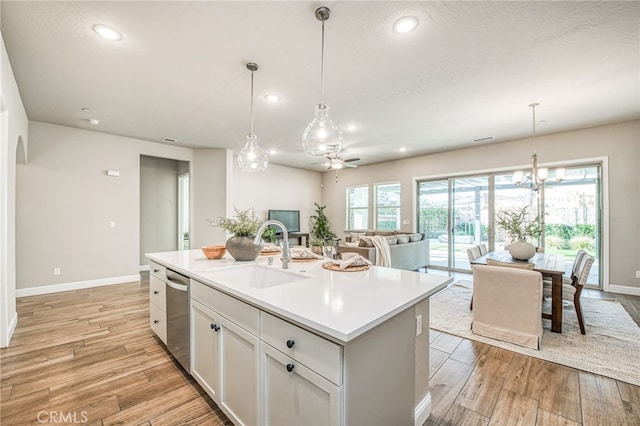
[(215, 327), (155, 321), (156, 292), (290, 367), (156, 270), (290, 343)]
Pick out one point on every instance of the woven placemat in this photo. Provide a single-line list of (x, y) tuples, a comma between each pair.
[(303, 259), (269, 253), (334, 267)]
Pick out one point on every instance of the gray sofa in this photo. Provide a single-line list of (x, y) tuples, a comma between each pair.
[(410, 255)]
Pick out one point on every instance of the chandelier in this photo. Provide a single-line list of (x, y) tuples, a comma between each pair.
[(538, 175), (252, 158), (322, 137)]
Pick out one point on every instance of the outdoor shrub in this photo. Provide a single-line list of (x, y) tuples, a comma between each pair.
[(585, 230), (584, 243), (559, 230), (555, 242)]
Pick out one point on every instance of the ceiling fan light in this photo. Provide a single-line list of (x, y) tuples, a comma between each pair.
[(322, 136), (252, 158)]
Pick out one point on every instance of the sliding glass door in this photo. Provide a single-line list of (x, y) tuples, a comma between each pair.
[(458, 212)]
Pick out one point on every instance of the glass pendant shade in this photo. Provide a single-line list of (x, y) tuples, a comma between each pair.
[(252, 158), (322, 136)]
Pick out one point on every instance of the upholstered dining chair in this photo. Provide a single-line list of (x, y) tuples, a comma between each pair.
[(573, 290), (473, 253), (483, 249), (518, 265), (506, 305)]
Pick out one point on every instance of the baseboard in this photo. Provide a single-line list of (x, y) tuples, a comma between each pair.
[(624, 289), (423, 410), (144, 268), (78, 285), (10, 329)]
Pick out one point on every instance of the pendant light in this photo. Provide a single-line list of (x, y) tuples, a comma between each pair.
[(322, 137), (252, 158), (536, 179)]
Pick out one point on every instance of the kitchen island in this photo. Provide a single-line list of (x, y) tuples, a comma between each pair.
[(306, 345)]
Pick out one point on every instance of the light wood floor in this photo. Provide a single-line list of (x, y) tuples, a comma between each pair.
[(89, 357)]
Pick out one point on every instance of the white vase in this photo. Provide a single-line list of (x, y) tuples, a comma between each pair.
[(522, 250)]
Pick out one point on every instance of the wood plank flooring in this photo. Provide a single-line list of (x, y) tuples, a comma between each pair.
[(89, 357)]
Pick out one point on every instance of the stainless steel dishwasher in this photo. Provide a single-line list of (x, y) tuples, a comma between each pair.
[(178, 318)]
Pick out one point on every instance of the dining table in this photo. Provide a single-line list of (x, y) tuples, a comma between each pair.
[(549, 265)]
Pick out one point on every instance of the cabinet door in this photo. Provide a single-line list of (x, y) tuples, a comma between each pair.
[(295, 395), (205, 345), (239, 373)]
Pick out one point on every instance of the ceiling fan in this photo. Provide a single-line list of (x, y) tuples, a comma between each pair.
[(336, 163)]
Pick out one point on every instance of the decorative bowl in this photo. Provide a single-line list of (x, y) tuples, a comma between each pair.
[(214, 252)]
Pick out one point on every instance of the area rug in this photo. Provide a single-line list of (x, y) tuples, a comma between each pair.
[(610, 348)]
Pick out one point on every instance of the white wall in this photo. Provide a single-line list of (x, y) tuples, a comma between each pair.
[(619, 142), (278, 188), (65, 203), (13, 138)]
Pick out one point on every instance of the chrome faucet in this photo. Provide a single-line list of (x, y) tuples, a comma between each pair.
[(286, 257)]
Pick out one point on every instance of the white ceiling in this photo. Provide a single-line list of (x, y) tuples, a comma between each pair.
[(469, 71)]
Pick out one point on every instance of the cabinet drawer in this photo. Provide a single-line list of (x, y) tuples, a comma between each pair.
[(159, 271), (243, 314), (157, 293), (158, 322), (317, 353)]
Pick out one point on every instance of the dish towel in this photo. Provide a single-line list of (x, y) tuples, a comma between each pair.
[(383, 254), (304, 254), (356, 260)]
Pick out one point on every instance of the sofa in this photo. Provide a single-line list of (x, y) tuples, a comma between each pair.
[(407, 250)]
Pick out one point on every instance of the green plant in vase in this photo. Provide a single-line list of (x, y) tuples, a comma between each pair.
[(319, 229), (244, 227), (520, 226)]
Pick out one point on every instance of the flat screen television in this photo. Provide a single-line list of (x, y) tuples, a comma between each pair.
[(289, 218)]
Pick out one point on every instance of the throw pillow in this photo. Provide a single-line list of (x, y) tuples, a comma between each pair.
[(402, 238), (415, 237), (391, 239), (365, 242), (355, 236), (351, 243)]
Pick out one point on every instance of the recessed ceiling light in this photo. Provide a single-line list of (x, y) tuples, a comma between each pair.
[(86, 109), (107, 32), (273, 98), (272, 151), (403, 149), (94, 121), (405, 25), (351, 127)]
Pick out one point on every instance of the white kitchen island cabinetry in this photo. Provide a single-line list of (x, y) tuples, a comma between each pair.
[(225, 356), (158, 300), (319, 347)]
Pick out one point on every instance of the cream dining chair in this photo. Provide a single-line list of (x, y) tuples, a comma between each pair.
[(506, 305)]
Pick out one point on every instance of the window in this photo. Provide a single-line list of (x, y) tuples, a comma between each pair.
[(387, 203), (358, 207)]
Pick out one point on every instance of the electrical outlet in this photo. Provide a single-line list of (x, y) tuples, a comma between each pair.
[(405, 222), (637, 274), (57, 271), (418, 325)]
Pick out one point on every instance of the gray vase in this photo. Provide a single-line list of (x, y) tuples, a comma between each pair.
[(522, 250), (243, 248)]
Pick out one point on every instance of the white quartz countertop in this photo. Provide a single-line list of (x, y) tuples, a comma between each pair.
[(339, 305)]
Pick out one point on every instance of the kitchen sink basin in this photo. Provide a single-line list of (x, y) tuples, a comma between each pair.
[(257, 276)]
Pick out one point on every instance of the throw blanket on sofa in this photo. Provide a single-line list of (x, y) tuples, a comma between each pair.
[(383, 255)]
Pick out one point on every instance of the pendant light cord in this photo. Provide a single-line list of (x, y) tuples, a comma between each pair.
[(533, 107), (322, 68), (252, 102)]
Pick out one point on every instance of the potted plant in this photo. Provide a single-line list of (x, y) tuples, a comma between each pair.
[(520, 225), (319, 229), (244, 226)]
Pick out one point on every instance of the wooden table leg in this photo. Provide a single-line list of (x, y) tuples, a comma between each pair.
[(556, 303)]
